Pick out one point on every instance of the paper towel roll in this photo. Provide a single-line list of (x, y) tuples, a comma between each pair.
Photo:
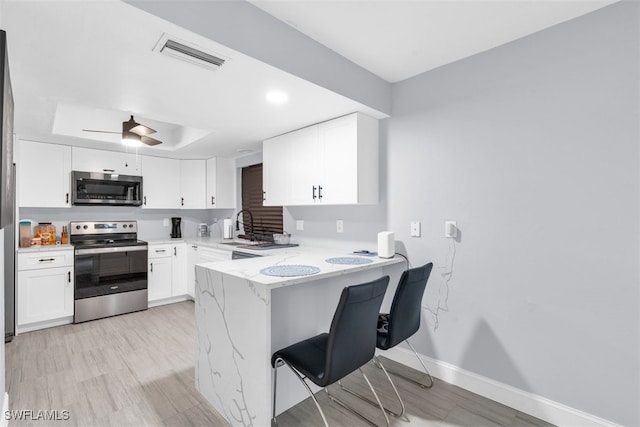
[(386, 244), (228, 228)]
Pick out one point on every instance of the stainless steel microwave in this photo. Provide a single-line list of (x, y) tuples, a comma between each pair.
[(92, 188)]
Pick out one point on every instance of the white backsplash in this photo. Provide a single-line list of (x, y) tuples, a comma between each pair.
[(150, 222)]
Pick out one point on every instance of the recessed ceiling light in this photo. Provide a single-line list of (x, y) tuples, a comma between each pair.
[(277, 97)]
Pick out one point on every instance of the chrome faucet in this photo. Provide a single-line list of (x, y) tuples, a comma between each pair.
[(250, 222)]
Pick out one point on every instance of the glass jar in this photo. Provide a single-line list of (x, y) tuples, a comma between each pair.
[(46, 232)]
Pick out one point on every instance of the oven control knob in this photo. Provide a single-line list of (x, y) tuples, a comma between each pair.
[(77, 227), (85, 226), (124, 226), (130, 225)]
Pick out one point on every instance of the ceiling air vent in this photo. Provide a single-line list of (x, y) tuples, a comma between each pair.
[(188, 52)]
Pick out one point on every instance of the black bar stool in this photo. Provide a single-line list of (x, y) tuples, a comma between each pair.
[(349, 345), (401, 323)]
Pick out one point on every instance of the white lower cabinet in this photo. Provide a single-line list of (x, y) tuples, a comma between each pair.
[(166, 273), (44, 291), (199, 255)]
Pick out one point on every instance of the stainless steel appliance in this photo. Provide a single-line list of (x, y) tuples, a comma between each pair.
[(110, 269), (91, 188), (7, 189)]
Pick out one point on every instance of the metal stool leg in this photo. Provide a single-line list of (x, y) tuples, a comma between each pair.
[(401, 415), (355, 412), (426, 371), (279, 363)]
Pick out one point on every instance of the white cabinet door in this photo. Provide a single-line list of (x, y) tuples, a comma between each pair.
[(179, 270), (305, 166), (160, 183), (338, 142), (221, 178), (44, 294), (193, 178), (159, 278), (91, 160), (44, 175), (335, 162), (276, 173), (192, 259)]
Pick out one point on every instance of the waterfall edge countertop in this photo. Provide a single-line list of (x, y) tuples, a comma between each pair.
[(245, 316)]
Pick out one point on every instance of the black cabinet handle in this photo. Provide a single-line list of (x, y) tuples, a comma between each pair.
[(145, 200), (160, 251), (314, 192), (46, 259), (320, 192), (213, 200), (182, 201), (108, 170), (175, 253), (69, 276), (67, 199), (264, 196), (152, 267)]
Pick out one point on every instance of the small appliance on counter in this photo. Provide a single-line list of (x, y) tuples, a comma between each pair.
[(203, 230), (227, 228), (25, 233), (176, 232), (386, 244)]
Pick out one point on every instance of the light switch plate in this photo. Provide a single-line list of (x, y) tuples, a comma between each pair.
[(165, 222), (415, 228), (299, 225), (339, 226)]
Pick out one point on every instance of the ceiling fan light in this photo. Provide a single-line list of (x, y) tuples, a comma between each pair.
[(130, 139)]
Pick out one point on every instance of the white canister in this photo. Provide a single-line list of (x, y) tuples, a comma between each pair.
[(227, 228), (386, 244)]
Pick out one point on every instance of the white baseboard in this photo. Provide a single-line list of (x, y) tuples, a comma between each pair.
[(529, 403), (5, 409), (170, 300)]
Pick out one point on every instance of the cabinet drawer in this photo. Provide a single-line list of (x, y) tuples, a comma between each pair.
[(45, 259), (160, 251)]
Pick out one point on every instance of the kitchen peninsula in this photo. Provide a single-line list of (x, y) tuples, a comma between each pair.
[(243, 316)]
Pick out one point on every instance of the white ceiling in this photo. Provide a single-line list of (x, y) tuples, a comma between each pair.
[(398, 39), (90, 64)]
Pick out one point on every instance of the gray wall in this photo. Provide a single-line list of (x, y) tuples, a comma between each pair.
[(532, 148)]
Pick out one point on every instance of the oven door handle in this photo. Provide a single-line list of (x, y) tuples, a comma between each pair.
[(108, 250)]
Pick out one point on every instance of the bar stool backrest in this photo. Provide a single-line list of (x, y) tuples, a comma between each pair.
[(352, 337), (404, 317)]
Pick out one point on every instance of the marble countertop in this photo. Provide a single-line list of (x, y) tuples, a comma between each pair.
[(249, 268), (45, 248)]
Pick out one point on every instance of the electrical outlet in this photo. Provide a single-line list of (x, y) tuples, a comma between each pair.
[(299, 225), (415, 228), (339, 226), (165, 222)]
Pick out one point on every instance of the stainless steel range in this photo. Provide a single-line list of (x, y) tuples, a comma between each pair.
[(110, 269)]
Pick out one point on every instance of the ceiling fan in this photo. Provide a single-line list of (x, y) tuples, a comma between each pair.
[(133, 133)]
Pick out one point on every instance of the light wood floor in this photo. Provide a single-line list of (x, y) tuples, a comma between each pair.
[(137, 370)]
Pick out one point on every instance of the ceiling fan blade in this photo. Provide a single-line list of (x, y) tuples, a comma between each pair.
[(150, 141), (142, 130), (99, 131)]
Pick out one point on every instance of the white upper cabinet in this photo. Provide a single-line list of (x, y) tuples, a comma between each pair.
[(193, 184), (221, 189), (160, 183), (44, 175), (335, 162), (90, 160)]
